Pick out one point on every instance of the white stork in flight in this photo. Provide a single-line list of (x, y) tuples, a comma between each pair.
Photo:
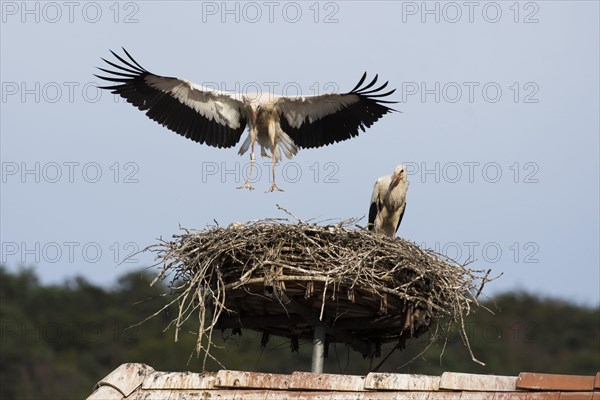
[(219, 118), (388, 202)]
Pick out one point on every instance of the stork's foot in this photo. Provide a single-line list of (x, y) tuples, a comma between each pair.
[(273, 188), (246, 185)]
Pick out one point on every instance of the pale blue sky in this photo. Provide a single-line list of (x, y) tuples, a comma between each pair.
[(519, 99)]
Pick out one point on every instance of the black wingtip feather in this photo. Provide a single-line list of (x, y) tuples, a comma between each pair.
[(131, 58), (375, 90), (369, 85), (381, 94), (121, 67), (129, 75), (360, 82), (127, 63)]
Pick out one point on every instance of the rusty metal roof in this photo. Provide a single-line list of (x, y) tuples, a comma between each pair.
[(140, 381)]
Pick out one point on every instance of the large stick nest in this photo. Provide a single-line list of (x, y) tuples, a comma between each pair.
[(284, 278)]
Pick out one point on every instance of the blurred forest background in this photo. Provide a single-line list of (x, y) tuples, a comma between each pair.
[(57, 341)]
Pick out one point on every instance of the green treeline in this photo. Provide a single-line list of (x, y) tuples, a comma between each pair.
[(57, 341)]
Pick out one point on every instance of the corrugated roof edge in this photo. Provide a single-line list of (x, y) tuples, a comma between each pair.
[(134, 380)]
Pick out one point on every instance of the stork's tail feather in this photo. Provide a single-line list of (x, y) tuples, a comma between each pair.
[(263, 151), (245, 146), (288, 146)]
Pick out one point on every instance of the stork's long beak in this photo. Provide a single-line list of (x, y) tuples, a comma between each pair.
[(395, 181)]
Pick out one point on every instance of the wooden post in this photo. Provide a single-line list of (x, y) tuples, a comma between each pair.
[(318, 353)]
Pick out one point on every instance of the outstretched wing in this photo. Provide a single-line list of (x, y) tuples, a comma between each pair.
[(193, 111), (315, 121)]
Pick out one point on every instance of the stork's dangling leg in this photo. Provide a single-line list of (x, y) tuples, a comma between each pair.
[(247, 184), (273, 162), (273, 185)]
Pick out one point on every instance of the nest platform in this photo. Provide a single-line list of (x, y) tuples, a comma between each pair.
[(282, 278)]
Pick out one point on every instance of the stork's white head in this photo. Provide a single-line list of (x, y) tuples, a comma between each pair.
[(398, 175), (253, 103)]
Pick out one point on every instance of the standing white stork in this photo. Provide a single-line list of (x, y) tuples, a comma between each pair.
[(219, 118), (388, 202)]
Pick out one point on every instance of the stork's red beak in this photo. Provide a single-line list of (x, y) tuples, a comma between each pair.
[(395, 180)]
